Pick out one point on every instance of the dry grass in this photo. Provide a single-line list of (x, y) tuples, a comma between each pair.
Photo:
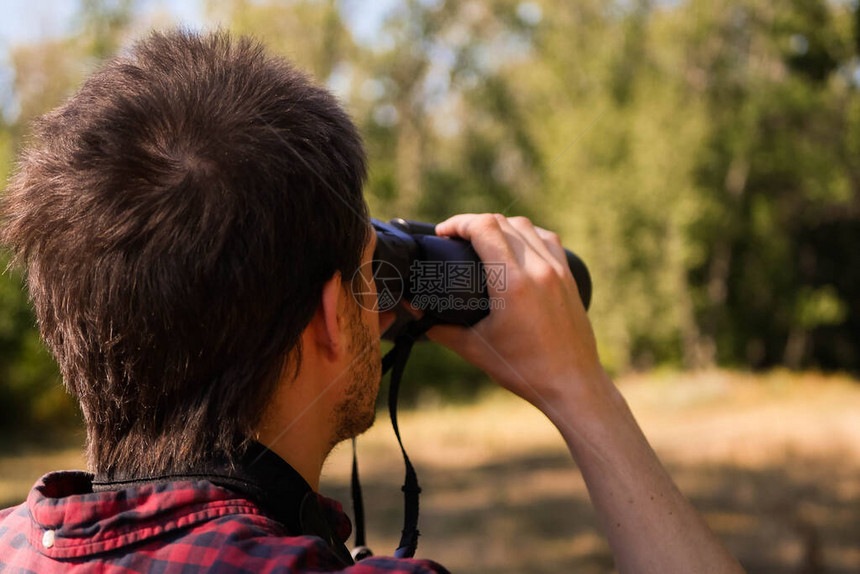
[(18, 472), (771, 461)]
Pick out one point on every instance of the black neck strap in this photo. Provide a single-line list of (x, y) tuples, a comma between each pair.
[(395, 361), (269, 481)]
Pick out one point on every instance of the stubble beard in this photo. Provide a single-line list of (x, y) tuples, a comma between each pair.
[(356, 412)]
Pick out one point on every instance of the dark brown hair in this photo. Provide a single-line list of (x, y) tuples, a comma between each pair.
[(177, 218)]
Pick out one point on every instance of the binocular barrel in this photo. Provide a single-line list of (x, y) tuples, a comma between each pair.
[(443, 276)]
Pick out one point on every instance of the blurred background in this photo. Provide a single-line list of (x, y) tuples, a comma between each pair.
[(703, 157)]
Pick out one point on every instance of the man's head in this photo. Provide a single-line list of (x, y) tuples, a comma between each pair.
[(178, 218)]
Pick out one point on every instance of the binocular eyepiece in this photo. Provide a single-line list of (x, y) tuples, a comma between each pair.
[(442, 276)]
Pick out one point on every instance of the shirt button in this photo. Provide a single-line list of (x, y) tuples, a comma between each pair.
[(48, 538)]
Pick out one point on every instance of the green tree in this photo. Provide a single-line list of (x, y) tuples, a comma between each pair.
[(33, 404)]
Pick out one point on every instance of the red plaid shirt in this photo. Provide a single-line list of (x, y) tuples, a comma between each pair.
[(187, 526)]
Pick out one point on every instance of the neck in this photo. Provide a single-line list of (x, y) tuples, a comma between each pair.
[(297, 438), (305, 460), (297, 427)]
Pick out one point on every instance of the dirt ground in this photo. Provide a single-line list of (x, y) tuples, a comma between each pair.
[(773, 463)]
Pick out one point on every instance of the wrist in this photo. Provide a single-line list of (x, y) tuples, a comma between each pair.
[(587, 403)]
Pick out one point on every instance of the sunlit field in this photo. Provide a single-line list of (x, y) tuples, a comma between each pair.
[(771, 461)]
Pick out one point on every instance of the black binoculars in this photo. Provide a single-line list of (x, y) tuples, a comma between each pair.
[(441, 276)]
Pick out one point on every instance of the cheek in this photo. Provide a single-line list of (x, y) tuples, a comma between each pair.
[(371, 319), (369, 297)]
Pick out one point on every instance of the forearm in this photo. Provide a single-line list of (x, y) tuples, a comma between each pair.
[(651, 527), (543, 331)]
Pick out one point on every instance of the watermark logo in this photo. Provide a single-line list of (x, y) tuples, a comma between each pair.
[(444, 277), (434, 285), (388, 286), (451, 302), (494, 276)]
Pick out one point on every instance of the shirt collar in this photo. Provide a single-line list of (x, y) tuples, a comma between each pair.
[(70, 520), (260, 474), (87, 516)]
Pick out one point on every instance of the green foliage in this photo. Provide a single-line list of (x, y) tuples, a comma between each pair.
[(33, 405), (702, 157)]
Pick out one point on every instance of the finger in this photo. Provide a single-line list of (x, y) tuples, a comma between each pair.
[(496, 241), (449, 226), (484, 231), (529, 233), (536, 258), (553, 244), (531, 265), (519, 246)]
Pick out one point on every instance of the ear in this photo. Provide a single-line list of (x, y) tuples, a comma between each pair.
[(329, 319)]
